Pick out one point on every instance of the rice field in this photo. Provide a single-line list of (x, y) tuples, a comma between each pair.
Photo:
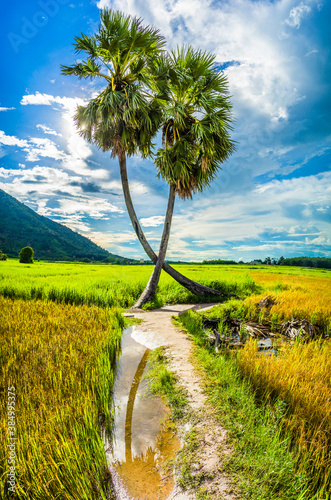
[(107, 285), (300, 377), (60, 330), (277, 410), (57, 360), (300, 292)]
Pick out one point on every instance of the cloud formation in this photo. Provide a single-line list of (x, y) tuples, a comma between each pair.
[(47, 130), (272, 196), (78, 149)]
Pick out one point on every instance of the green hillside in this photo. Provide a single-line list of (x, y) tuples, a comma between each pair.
[(20, 226)]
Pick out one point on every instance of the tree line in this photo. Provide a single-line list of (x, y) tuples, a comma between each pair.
[(319, 262)]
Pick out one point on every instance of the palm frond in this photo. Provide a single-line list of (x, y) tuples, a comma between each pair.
[(198, 118), (124, 116)]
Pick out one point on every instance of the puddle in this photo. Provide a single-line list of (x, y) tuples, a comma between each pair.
[(142, 443)]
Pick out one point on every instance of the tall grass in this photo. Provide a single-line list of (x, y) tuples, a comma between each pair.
[(273, 454), (300, 375), (60, 359)]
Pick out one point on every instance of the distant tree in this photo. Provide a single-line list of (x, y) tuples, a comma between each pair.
[(267, 261), (3, 256), (85, 260), (26, 255)]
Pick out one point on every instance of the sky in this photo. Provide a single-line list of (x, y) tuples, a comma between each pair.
[(271, 198)]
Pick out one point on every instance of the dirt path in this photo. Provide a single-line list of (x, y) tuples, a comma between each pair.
[(158, 327)]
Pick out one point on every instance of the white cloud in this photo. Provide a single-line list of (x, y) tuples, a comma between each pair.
[(37, 98), (96, 208), (48, 130), (6, 173), (110, 239), (260, 248), (154, 221), (138, 188), (42, 148), (311, 52), (319, 241), (10, 140), (44, 179), (114, 185), (241, 219), (35, 147), (6, 109), (67, 103), (78, 149), (297, 14)]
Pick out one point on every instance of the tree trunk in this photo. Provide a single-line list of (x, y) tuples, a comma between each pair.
[(192, 286), (149, 292)]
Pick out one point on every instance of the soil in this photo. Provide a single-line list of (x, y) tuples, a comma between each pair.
[(207, 462)]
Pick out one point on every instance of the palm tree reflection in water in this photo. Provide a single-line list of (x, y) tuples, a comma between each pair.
[(143, 475)]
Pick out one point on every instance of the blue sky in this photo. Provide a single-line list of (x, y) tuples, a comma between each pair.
[(272, 197)]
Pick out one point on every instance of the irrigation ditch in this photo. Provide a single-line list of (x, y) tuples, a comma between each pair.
[(142, 443)]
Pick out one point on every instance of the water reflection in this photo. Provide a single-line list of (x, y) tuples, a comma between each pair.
[(129, 408), (142, 443)]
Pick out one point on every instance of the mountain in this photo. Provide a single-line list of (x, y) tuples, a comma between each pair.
[(20, 226)]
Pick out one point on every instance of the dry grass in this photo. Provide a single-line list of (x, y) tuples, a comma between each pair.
[(300, 375), (60, 360)]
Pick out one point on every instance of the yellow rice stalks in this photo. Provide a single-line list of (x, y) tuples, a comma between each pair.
[(302, 297), (300, 375), (59, 359)]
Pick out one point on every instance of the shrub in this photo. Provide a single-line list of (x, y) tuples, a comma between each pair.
[(3, 256), (26, 255)]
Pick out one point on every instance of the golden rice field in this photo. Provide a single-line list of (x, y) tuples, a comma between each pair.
[(301, 297), (58, 361), (300, 376)]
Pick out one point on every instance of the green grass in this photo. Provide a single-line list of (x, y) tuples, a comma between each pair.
[(109, 285), (120, 286), (265, 463), (164, 383)]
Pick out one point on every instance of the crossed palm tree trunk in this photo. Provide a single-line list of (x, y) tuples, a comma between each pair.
[(159, 261), (149, 292)]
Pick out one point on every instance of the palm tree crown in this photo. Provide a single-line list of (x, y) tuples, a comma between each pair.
[(123, 117), (197, 121)]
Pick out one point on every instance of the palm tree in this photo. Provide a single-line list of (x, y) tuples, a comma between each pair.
[(195, 134), (124, 117)]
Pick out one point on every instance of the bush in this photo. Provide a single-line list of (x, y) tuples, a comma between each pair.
[(3, 256), (26, 255)]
